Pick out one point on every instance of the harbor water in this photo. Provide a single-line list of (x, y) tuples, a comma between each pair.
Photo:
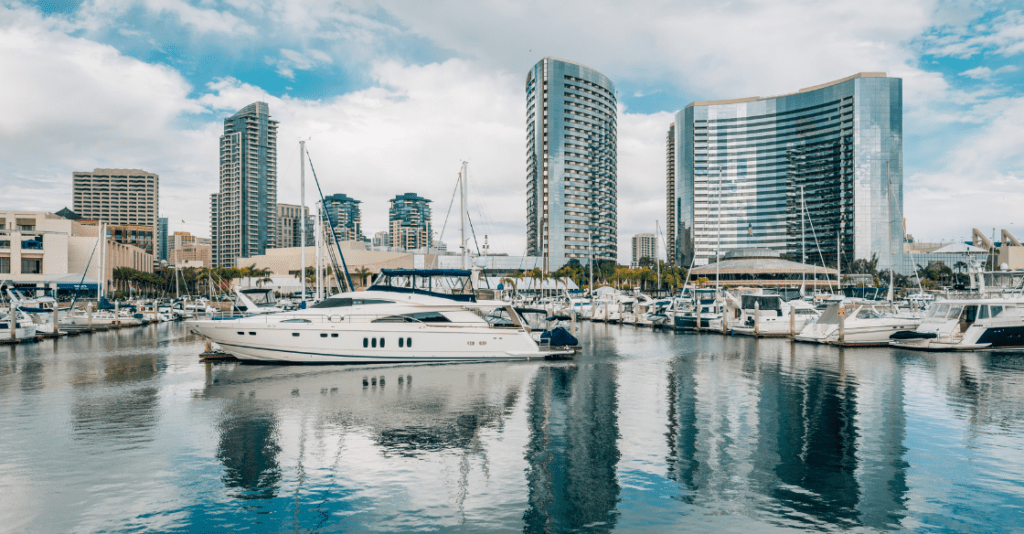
[(126, 431)]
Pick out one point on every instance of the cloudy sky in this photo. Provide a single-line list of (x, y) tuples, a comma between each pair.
[(393, 95)]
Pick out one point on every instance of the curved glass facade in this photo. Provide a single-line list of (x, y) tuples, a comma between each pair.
[(570, 163), (810, 171)]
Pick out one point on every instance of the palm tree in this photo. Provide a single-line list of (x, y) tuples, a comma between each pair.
[(363, 273), (511, 279)]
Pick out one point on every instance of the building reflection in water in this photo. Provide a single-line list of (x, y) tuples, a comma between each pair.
[(248, 449), (802, 440), (573, 452)]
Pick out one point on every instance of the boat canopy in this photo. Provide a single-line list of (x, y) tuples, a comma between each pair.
[(764, 302), (452, 284)]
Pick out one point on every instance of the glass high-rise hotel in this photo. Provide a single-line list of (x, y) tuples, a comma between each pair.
[(817, 169), (570, 163)]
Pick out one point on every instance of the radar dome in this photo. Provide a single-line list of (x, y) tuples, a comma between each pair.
[(481, 262), (1004, 267)]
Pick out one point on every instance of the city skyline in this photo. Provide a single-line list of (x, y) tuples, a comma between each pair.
[(420, 90)]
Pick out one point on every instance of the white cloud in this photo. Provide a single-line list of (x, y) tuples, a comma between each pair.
[(70, 104), (982, 183), (1004, 35), (712, 50), (290, 61), (985, 73)]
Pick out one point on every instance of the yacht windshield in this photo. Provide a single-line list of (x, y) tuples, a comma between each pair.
[(939, 311), (954, 312)]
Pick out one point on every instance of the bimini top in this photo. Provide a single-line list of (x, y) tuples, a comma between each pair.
[(426, 272), (452, 284)]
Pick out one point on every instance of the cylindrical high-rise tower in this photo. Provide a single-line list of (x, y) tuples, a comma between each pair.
[(570, 163)]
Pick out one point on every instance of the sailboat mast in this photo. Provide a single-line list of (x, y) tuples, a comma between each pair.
[(302, 214), (803, 239), (718, 245), (657, 251), (462, 217)]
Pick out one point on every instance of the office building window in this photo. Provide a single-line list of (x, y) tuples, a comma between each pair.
[(31, 266)]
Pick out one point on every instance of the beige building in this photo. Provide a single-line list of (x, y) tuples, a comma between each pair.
[(286, 261), (117, 196), (188, 250), (41, 249)]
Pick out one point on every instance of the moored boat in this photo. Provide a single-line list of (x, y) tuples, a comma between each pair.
[(406, 316)]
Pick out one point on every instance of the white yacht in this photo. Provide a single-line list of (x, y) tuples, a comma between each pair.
[(864, 323), (769, 315), (406, 316), (706, 305), (968, 324), (24, 328)]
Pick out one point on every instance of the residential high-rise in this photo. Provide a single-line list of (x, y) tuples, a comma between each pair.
[(118, 196), (794, 173), (644, 246), (161, 236), (570, 163), (670, 199), (289, 226), (381, 239), (409, 218), (244, 218), (345, 215)]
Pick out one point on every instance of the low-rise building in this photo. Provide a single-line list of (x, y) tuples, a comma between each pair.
[(42, 250)]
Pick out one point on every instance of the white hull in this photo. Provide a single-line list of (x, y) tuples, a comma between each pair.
[(877, 334), (20, 333), (327, 342), (771, 327)]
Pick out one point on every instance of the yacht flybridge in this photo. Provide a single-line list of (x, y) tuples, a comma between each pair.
[(406, 316)]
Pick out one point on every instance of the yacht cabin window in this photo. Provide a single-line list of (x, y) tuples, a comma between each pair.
[(995, 311)]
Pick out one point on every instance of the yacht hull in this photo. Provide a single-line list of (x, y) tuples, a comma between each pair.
[(383, 343), (863, 335)]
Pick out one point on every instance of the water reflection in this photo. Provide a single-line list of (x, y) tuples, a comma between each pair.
[(125, 409), (792, 434), (572, 452), (644, 431), (248, 449)]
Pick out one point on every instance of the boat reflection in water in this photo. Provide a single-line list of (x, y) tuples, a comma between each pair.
[(433, 415)]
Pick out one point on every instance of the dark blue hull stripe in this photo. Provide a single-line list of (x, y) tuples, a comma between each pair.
[(1003, 336)]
